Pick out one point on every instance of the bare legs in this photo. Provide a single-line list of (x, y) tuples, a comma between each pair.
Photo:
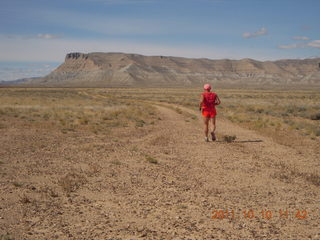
[(213, 124), (206, 125)]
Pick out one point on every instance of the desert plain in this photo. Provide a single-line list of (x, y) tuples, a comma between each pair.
[(131, 163)]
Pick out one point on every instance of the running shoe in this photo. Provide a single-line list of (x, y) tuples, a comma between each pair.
[(213, 136)]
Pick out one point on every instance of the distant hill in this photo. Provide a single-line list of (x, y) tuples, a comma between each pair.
[(133, 70), (17, 82)]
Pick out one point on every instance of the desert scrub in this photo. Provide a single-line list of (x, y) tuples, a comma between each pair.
[(25, 199), (116, 162), (140, 123), (315, 116), (313, 178), (72, 181), (100, 109), (289, 173), (139, 115), (71, 110), (229, 139), (316, 132), (262, 110), (6, 237), (178, 110), (151, 159), (17, 184), (271, 111)]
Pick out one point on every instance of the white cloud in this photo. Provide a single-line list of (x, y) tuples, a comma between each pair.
[(294, 45), (47, 36), (37, 36), (261, 32), (315, 44), (300, 38)]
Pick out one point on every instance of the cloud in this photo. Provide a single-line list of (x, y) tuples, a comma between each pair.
[(47, 36), (300, 38), (315, 44), (35, 36), (312, 44), (294, 45), (261, 32)]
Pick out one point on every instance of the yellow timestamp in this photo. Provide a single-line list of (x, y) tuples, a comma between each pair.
[(262, 213)]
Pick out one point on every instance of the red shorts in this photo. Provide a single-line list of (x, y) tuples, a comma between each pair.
[(209, 113)]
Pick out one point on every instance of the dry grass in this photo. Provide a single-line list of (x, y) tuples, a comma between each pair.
[(72, 182), (274, 112), (73, 110), (162, 140), (229, 139), (151, 159), (17, 184), (288, 174), (279, 114), (6, 237), (25, 199), (116, 162)]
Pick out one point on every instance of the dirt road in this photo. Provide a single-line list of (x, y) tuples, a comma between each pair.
[(157, 182)]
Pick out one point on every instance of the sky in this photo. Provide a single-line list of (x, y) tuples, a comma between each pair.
[(35, 35)]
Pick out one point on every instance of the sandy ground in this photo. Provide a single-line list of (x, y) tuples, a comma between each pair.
[(85, 186)]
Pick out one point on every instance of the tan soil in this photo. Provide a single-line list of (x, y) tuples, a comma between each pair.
[(85, 186)]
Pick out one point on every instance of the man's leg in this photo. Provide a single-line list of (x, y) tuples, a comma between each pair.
[(213, 120), (206, 126), (213, 136)]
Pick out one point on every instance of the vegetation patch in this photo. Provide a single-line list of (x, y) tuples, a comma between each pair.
[(69, 110), (315, 116), (72, 182), (25, 199), (151, 159), (116, 162), (229, 139), (17, 184), (6, 237)]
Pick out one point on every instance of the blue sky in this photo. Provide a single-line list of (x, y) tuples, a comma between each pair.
[(35, 35)]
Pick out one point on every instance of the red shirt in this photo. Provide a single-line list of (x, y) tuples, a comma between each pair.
[(209, 99)]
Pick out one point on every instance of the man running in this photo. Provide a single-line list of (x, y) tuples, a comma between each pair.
[(208, 102)]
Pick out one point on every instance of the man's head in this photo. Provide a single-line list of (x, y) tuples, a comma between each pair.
[(207, 87)]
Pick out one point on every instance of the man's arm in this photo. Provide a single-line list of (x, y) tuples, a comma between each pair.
[(201, 101), (217, 102)]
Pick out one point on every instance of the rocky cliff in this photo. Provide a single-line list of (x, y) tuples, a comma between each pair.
[(133, 70)]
